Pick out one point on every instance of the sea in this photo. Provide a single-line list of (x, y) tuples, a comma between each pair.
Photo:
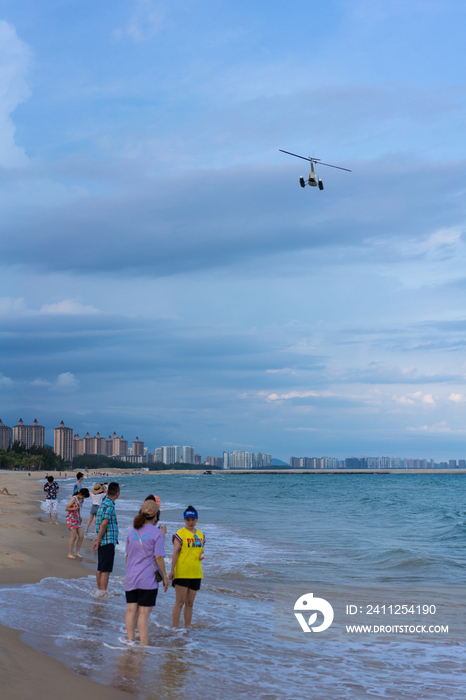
[(374, 539)]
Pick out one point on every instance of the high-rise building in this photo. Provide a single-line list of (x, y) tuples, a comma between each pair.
[(296, 462), (245, 460), (29, 435), (331, 463), (171, 454), (158, 455), (198, 459), (5, 436), (63, 442), (120, 446), (188, 455), (78, 446), (138, 448)]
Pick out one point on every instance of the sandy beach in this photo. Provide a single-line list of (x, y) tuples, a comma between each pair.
[(30, 550)]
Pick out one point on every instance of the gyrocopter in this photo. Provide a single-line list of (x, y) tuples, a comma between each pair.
[(313, 180)]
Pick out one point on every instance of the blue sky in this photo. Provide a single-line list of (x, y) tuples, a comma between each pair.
[(162, 274)]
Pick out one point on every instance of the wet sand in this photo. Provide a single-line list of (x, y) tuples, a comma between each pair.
[(30, 550)]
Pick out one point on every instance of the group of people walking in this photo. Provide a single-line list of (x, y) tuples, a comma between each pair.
[(145, 552)]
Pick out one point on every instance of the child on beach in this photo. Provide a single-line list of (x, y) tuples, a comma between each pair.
[(74, 522)]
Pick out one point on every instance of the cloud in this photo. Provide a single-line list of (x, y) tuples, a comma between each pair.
[(66, 381), (444, 237), (40, 383), (303, 430), (416, 398), (17, 307), (228, 217), (436, 428), (296, 395), (456, 398), (14, 62), (68, 307), (12, 306), (5, 382), (146, 21)]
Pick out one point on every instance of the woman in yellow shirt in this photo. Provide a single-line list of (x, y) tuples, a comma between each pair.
[(186, 572)]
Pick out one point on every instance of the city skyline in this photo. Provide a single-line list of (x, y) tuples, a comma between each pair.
[(68, 444), (164, 272)]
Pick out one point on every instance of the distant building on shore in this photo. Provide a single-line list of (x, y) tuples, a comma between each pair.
[(174, 454), (5, 436), (214, 461), (137, 449), (171, 454), (29, 435), (113, 447), (188, 454), (63, 442), (246, 460)]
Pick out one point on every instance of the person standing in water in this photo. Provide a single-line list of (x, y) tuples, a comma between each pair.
[(78, 484), (186, 571), (107, 536), (74, 522), (145, 553)]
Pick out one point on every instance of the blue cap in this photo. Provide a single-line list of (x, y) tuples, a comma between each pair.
[(190, 513)]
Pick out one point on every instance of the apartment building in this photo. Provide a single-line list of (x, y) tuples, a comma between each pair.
[(29, 435), (63, 442)]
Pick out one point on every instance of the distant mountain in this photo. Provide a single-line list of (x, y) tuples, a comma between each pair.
[(279, 463)]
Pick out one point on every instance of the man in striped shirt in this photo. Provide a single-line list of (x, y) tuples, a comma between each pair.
[(107, 537)]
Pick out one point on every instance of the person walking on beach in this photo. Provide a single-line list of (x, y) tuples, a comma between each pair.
[(145, 553), (186, 571), (51, 490), (74, 522), (97, 495), (79, 480), (107, 536)]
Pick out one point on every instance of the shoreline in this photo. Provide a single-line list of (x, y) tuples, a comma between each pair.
[(30, 550)]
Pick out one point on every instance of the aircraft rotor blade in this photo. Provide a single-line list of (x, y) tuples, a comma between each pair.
[(295, 155), (334, 166)]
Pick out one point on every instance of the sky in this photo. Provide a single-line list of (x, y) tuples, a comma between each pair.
[(163, 274)]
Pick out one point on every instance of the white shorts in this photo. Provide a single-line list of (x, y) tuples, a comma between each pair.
[(51, 504)]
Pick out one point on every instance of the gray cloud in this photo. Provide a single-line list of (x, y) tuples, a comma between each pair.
[(208, 219)]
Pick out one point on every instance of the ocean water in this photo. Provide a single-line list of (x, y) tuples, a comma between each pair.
[(315, 532)]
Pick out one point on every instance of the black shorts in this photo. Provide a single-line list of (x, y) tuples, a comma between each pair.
[(105, 557), (193, 584), (144, 598)]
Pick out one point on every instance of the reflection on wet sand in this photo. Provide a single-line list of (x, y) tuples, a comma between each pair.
[(164, 680)]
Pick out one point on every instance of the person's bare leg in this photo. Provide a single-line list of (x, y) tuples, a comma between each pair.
[(79, 542), (70, 548), (89, 523), (131, 618), (188, 607), (143, 624), (181, 593), (49, 515), (102, 580)]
